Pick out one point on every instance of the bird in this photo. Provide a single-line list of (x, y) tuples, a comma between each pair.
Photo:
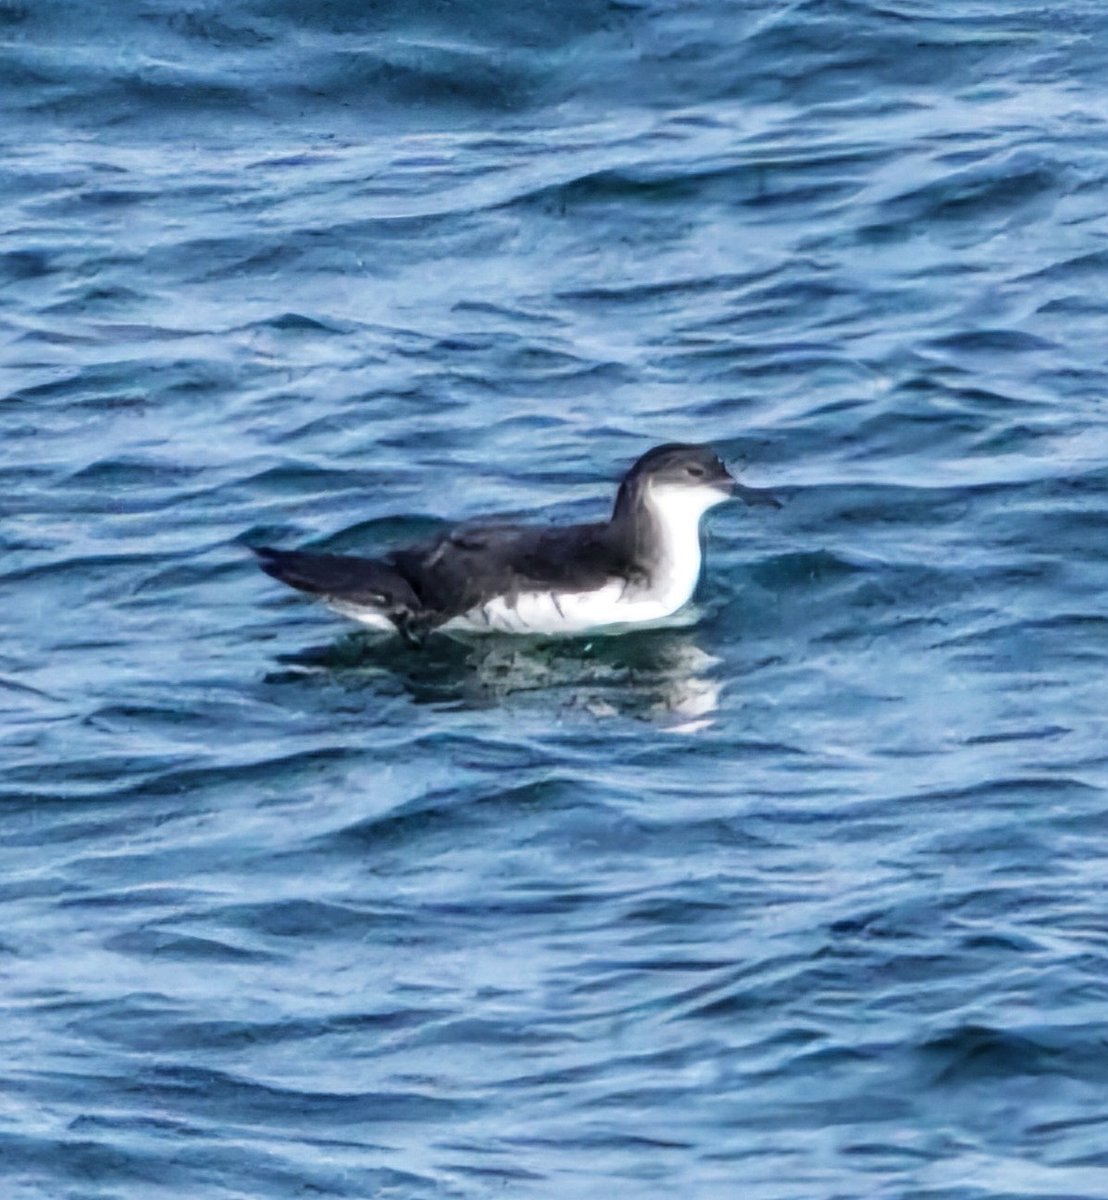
[(641, 566)]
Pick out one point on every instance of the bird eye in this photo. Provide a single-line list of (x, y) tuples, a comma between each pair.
[(694, 469)]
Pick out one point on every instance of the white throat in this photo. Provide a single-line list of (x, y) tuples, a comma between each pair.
[(676, 511)]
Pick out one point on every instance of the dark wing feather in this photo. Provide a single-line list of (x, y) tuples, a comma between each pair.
[(344, 577), (470, 565)]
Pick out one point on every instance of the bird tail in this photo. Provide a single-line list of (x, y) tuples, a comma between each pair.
[(350, 583)]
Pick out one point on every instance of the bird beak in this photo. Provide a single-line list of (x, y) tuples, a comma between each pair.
[(754, 496)]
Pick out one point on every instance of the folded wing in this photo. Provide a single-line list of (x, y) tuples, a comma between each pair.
[(467, 567)]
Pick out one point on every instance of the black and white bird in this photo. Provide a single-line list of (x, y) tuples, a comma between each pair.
[(640, 566)]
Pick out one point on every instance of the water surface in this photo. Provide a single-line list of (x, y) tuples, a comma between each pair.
[(804, 899)]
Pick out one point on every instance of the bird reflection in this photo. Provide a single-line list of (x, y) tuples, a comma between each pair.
[(661, 675)]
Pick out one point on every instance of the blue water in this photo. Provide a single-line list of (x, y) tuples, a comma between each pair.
[(805, 900)]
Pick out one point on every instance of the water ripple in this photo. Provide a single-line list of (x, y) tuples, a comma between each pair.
[(803, 898)]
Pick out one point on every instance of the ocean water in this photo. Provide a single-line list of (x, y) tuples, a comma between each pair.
[(804, 899)]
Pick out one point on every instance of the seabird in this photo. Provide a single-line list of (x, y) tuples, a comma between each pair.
[(641, 565)]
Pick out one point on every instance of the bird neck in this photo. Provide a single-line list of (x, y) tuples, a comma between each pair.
[(658, 528)]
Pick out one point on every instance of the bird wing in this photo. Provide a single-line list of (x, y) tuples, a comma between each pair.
[(470, 565), (362, 581)]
